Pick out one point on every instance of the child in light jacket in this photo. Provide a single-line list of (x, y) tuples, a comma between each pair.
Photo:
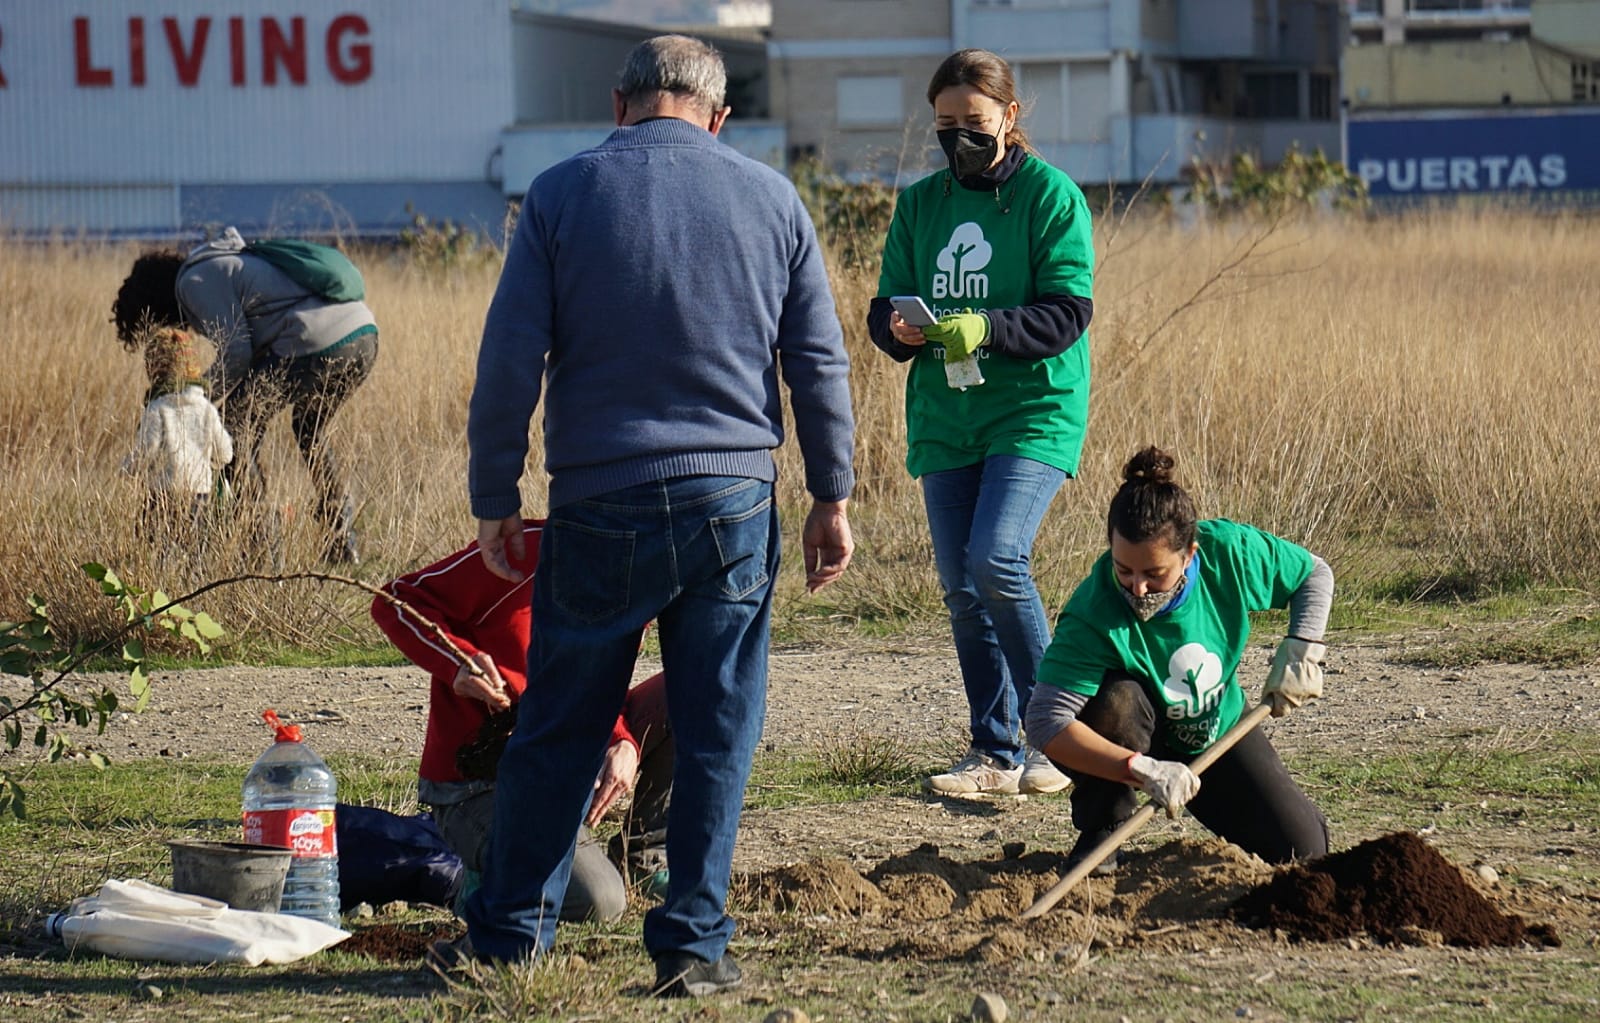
[(182, 445)]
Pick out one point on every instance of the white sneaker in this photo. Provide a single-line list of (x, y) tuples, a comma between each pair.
[(1039, 775), (976, 773)]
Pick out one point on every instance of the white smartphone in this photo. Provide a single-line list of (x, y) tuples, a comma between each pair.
[(913, 310)]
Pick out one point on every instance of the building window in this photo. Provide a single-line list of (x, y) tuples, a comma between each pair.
[(1321, 97), (1273, 95), (1043, 113), (1586, 83), (1088, 102), (870, 101)]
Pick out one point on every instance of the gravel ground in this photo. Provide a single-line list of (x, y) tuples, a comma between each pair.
[(820, 694)]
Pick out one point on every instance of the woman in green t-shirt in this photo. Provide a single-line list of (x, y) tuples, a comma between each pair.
[(998, 246), (1142, 675)]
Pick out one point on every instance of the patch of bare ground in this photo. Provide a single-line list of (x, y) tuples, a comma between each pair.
[(922, 895), (819, 694)]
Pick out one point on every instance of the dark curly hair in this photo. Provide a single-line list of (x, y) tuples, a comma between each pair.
[(1150, 504), (148, 297)]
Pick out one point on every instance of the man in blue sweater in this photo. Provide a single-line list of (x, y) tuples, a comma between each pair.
[(657, 287)]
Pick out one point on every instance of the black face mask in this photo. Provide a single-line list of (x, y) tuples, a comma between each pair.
[(970, 152)]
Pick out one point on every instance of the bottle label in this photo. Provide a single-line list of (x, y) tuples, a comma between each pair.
[(307, 832)]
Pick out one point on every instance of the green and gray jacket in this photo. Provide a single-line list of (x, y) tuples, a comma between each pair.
[(249, 309)]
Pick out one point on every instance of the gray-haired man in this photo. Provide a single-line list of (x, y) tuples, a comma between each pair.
[(659, 286)]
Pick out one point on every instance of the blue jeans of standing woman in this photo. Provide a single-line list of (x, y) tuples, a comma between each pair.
[(983, 519), (698, 554)]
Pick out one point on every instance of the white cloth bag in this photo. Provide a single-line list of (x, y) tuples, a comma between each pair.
[(138, 920)]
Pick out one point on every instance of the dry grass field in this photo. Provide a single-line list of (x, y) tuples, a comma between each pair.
[(1412, 398)]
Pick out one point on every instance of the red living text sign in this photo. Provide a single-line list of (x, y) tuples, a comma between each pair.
[(269, 50)]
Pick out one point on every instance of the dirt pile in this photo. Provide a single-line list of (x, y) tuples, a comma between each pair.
[(396, 943), (924, 905), (1397, 889)]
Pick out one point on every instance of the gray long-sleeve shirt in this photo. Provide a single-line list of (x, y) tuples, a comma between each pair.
[(247, 307)]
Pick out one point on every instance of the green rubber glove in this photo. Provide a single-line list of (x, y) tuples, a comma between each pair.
[(960, 333)]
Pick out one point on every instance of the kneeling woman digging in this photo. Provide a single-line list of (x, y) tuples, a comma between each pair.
[(1141, 677)]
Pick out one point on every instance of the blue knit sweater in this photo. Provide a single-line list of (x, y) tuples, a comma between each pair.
[(660, 283)]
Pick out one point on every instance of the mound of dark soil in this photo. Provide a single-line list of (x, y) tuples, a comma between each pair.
[(395, 943), (1395, 889)]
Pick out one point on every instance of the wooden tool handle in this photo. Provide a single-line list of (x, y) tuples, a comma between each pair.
[(1126, 829)]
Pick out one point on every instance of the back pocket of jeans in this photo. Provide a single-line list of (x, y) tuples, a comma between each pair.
[(742, 542), (591, 569)]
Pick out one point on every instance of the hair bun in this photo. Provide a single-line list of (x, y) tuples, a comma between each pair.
[(1151, 466)]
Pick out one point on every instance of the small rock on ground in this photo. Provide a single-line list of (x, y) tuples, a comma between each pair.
[(989, 1008)]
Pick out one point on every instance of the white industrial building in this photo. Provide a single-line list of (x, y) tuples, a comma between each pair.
[(163, 117), (1114, 90)]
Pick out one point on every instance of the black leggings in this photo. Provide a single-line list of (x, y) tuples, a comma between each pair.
[(1246, 797), (313, 387)]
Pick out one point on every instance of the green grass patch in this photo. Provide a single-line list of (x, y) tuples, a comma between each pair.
[(84, 826), (275, 653), (89, 825), (1542, 767), (1470, 786), (1530, 989), (1562, 640), (839, 771), (1548, 627), (355, 653), (1454, 587)]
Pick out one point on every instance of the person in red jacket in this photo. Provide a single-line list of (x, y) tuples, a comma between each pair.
[(489, 619)]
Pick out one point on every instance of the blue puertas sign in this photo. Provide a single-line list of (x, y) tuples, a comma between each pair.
[(1462, 152)]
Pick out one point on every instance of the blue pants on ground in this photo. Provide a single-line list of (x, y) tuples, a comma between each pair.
[(983, 519), (698, 555)]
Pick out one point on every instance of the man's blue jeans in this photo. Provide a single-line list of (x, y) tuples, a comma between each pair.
[(698, 554), (983, 519)]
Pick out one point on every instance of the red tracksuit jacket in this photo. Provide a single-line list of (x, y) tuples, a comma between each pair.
[(479, 611)]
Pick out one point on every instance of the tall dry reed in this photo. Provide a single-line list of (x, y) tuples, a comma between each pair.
[(1413, 398)]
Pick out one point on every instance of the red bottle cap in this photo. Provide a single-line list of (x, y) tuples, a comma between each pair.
[(285, 733)]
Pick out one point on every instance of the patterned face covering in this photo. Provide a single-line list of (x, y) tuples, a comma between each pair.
[(1153, 603)]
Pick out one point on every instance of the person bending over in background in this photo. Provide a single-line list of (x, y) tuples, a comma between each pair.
[(489, 618), (181, 445), (279, 345), (1142, 675), (999, 245)]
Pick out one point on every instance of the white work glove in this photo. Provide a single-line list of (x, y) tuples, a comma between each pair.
[(1296, 675), (1168, 783)]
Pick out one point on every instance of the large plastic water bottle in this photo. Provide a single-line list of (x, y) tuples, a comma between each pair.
[(289, 798)]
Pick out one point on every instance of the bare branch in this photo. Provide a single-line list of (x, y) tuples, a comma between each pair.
[(144, 619), (1222, 272)]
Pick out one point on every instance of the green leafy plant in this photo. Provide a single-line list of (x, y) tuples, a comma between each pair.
[(851, 218), (444, 244), (31, 647), (1298, 180)]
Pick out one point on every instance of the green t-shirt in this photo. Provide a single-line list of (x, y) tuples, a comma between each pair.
[(961, 250), (1188, 659)]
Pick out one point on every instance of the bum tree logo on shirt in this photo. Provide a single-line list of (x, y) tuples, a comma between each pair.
[(1193, 685), (959, 263)]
